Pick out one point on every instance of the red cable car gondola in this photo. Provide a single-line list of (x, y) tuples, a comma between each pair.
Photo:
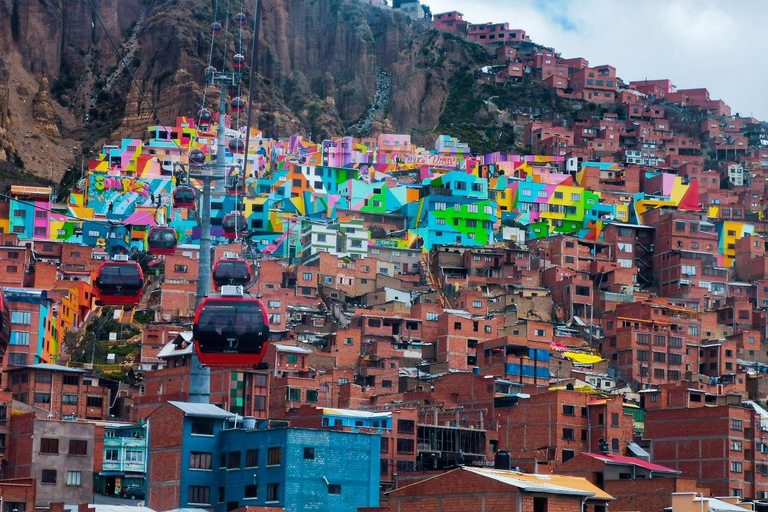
[(240, 18), (215, 27), (231, 330), (238, 105), (162, 240), (237, 146), (197, 157), (204, 117), (184, 197), (234, 224), (119, 283), (231, 271), (234, 185), (238, 60)]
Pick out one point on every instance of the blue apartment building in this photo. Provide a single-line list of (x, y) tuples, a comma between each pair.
[(227, 462)]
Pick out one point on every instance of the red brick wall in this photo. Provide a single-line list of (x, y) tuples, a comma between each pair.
[(165, 458), (461, 491)]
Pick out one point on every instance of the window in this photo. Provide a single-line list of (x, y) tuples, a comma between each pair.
[(675, 342), (43, 377), (689, 270), (49, 476), (539, 504), (405, 426), (251, 492), (78, 447), (113, 455), (199, 494), (292, 358), (71, 380), (273, 456), (21, 317), (568, 434), (569, 410), (433, 317), (293, 395), (200, 460), (273, 304), (384, 444), (233, 460), (736, 467), (42, 398), (182, 269), (95, 401), (568, 455), (540, 332), (615, 444), (309, 453), (405, 446), (22, 339), (312, 396), (736, 446), (477, 304), (202, 426), (74, 478), (273, 492), (134, 456), (307, 276), (334, 489), (252, 458)]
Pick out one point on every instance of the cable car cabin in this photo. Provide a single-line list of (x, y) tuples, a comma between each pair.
[(234, 225), (119, 283), (184, 197), (231, 331), (231, 271), (162, 240), (233, 185)]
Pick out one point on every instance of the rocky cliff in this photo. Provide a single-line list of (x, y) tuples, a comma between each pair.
[(325, 67)]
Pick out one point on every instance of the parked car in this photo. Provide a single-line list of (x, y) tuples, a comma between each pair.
[(133, 492)]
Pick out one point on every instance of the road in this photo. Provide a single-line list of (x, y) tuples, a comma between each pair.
[(100, 499)]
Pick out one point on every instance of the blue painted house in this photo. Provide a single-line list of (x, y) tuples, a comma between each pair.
[(201, 456)]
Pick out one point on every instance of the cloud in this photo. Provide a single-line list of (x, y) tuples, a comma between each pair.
[(695, 43)]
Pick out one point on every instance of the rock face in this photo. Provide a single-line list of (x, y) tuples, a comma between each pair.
[(324, 68)]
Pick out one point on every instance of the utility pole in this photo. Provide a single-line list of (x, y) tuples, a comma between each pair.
[(200, 376)]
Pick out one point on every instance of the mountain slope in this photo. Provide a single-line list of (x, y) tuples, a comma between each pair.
[(324, 68)]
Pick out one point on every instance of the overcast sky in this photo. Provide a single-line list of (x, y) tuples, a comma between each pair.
[(720, 45)]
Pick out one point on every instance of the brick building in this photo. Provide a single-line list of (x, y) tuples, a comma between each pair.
[(62, 391), (469, 488), (61, 455), (552, 427), (722, 447)]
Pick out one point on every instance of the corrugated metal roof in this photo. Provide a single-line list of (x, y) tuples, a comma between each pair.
[(114, 508), (632, 461), (292, 349), (171, 349), (203, 410), (49, 367), (552, 484), (353, 413)]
